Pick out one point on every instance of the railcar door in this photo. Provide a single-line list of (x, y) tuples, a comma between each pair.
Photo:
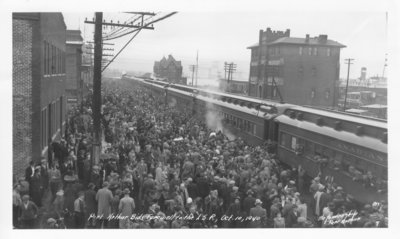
[(266, 129)]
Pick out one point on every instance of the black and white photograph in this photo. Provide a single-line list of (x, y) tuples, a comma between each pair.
[(190, 116)]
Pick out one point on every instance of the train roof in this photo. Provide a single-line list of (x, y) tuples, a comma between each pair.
[(364, 120)]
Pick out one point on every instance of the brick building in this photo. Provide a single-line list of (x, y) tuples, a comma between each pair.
[(38, 85), (74, 84), (169, 69), (302, 71)]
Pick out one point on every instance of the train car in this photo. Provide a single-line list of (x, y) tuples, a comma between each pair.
[(350, 149), (250, 119)]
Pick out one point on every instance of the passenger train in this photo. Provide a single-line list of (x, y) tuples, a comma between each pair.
[(351, 149)]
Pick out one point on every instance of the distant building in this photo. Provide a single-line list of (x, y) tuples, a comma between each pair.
[(237, 87), (169, 69), (304, 71), (363, 75), (87, 68), (39, 79), (74, 84)]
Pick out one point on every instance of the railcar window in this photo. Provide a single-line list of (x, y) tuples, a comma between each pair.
[(293, 142), (255, 129), (283, 139)]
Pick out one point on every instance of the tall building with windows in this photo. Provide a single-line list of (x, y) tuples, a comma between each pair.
[(38, 85), (74, 82), (169, 69), (302, 71)]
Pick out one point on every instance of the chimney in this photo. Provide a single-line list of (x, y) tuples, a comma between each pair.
[(287, 33), (307, 38), (322, 38)]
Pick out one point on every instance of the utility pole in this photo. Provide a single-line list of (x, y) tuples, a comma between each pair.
[(197, 65), (192, 69), (230, 68), (96, 101), (349, 62)]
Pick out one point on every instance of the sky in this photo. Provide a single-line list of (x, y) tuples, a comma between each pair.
[(224, 36)]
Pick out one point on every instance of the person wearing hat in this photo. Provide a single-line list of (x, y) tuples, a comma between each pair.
[(44, 173), (104, 197), (248, 202), (260, 212), (234, 210), (126, 208), (54, 180), (28, 213), (58, 203), (325, 198), (36, 187)]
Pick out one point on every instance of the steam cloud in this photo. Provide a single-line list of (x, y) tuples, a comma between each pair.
[(214, 121)]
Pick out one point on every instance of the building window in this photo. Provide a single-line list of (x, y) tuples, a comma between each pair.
[(310, 51), (300, 50), (327, 94), (328, 52), (274, 92), (44, 57), (277, 50), (43, 128), (63, 62), (312, 93), (59, 62), (315, 51), (53, 60), (314, 71), (271, 51)]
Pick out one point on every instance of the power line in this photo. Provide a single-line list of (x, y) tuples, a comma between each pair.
[(147, 24), (121, 50)]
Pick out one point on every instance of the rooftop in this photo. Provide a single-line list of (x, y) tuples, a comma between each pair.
[(315, 41)]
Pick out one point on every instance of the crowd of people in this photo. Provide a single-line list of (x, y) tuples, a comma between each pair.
[(161, 166)]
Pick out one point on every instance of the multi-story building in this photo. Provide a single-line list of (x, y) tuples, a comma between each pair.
[(169, 69), (87, 68), (295, 70), (38, 85), (74, 84), (233, 86)]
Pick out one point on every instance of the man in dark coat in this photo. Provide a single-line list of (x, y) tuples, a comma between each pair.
[(248, 202), (192, 188), (36, 187), (91, 204), (30, 171), (203, 186)]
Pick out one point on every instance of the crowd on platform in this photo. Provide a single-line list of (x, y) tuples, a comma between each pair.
[(163, 161)]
